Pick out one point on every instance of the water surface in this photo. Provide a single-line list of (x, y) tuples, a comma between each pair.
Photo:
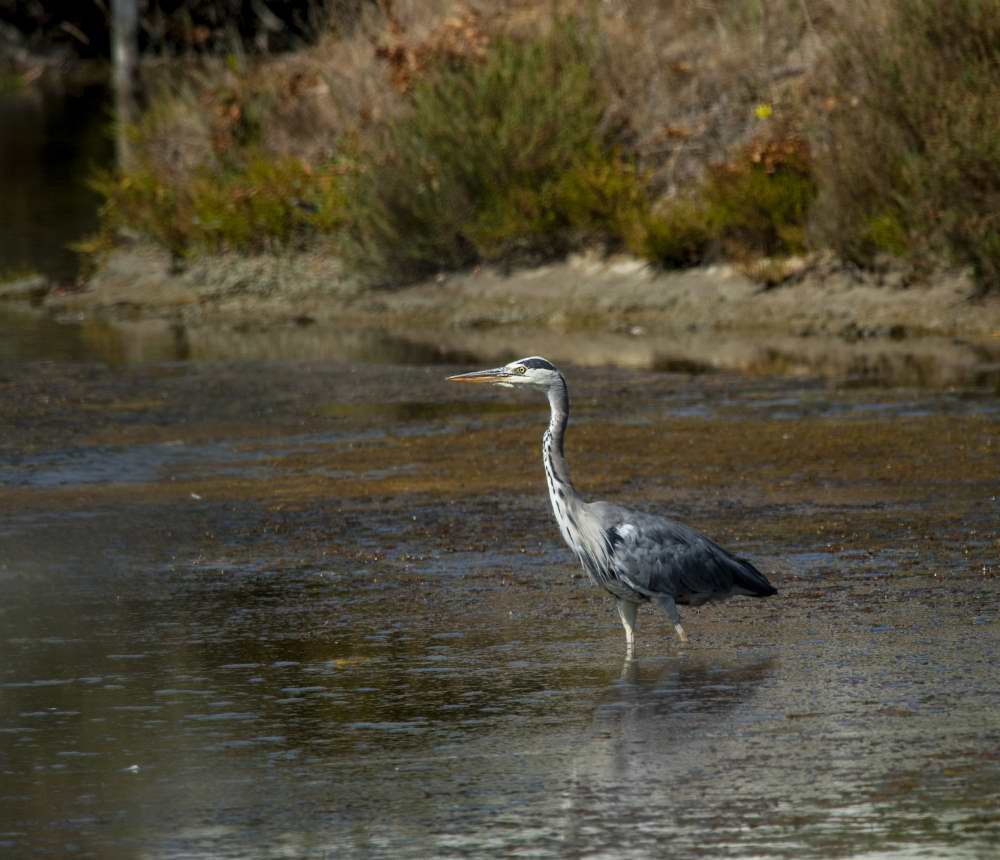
[(52, 138), (40, 334), (319, 610)]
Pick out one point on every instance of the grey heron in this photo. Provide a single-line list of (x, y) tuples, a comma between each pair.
[(637, 557)]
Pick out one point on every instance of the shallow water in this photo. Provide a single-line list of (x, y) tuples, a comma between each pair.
[(52, 139), (40, 334), (319, 610)]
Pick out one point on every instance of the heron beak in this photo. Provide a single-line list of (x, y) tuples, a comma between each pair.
[(495, 375)]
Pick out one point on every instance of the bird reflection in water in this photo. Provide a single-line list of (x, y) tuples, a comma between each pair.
[(659, 733)]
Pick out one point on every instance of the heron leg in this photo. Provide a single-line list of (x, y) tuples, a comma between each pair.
[(666, 603), (628, 611)]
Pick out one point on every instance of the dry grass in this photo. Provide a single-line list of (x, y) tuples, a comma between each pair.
[(682, 79), (497, 154), (911, 160), (688, 77), (684, 92)]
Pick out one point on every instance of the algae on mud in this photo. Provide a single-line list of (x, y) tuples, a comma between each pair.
[(296, 605)]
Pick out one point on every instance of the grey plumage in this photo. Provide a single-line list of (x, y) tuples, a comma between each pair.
[(637, 557), (654, 555)]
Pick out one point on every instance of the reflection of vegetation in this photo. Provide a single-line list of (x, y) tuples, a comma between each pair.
[(10, 81), (17, 273)]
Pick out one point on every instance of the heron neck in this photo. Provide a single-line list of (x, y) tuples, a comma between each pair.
[(557, 472)]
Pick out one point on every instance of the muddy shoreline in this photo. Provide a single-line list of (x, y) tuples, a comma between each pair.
[(818, 296), (823, 320)]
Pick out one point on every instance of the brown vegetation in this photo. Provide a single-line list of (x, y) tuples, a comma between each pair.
[(912, 146), (439, 134)]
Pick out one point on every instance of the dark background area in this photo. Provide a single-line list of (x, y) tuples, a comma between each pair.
[(79, 28)]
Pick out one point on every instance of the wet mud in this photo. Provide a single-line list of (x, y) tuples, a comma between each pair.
[(874, 356), (320, 610), (879, 327)]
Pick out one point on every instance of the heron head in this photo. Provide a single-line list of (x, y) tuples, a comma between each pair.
[(535, 372)]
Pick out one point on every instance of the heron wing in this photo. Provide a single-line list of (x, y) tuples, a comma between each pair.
[(654, 555)]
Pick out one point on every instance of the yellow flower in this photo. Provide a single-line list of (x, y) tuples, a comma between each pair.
[(763, 111)]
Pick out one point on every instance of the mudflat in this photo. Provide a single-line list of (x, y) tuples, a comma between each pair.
[(323, 606)]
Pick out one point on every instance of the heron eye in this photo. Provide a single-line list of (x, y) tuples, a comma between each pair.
[(520, 369)]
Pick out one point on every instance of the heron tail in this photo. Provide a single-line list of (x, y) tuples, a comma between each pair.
[(750, 581)]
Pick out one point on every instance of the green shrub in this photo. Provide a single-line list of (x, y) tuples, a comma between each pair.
[(477, 164), (759, 203), (756, 204), (263, 203), (885, 234), (912, 164), (141, 203), (676, 235), (604, 197), (599, 197), (268, 202)]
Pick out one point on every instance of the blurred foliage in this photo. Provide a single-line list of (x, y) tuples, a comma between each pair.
[(12, 274), (758, 203), (262, 203), (472, 168), (676, 235), (177, 26), (603, 194), (597, 198), (433, 146), (913, 160)]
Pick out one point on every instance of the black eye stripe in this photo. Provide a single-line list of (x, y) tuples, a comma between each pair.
[(537, 363)]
